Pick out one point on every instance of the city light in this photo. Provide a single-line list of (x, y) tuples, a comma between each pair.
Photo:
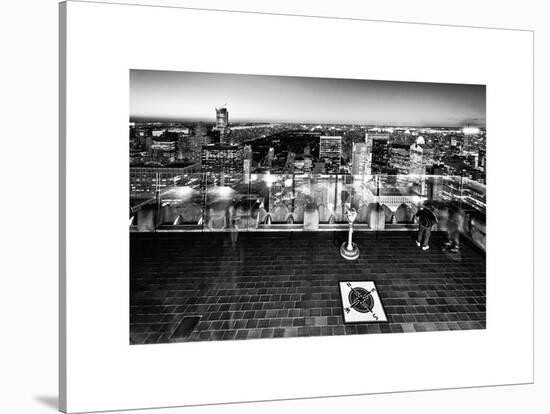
[(269, 179), (470, 130)]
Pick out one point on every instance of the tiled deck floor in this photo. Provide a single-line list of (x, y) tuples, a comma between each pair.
[(284, 284)]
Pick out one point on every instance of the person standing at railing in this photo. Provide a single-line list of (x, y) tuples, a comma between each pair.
[(454, 228), (426, 220)]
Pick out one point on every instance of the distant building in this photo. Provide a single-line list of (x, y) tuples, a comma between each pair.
[(222, 124), (222, 117), (319, 167), (360, 159), (481, 158), (399, 158), (416, 162), (380, 151), (163, 150), (195, 144), (184, 131), (247, 163), (247, 167), (436, 181), (330, 151), (472, 159), (299, 163), (247, 152), (270, 157), (222, 158), (418, 165), (146, 181), (466, 142), (290, 158)]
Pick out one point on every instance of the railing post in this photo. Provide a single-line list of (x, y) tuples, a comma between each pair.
[(157, 197), (204, 188), (293, 192)]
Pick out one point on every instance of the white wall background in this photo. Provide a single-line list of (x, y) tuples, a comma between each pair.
[(28, 207)]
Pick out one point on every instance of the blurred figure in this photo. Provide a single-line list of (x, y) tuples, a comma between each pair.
[(234, 222), (454, 228), (426, 220)]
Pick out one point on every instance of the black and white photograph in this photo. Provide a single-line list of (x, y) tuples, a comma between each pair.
[(299, 221), (282, 207)]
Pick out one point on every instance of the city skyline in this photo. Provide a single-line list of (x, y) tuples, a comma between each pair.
[(186, 96)]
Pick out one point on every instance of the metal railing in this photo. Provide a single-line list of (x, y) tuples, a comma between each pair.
[(174, 200)]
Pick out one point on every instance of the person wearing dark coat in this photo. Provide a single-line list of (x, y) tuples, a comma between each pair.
[(426, 220), (454, 228)]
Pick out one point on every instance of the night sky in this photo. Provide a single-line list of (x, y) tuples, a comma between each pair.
[(256, 98)]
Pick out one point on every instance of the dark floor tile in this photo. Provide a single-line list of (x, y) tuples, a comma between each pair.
[(280, 282)]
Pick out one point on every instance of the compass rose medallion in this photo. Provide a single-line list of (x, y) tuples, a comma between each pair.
[(361, 302)]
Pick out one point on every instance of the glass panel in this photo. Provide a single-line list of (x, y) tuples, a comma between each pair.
[(180, 199), (172, 198), (364, 190), (143, 198)]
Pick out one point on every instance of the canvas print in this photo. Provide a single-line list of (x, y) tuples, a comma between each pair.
[(282, 207)]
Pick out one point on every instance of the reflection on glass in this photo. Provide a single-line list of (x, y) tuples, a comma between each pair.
[(170, 199)]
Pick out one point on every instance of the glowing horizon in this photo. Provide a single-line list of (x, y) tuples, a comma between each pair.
[(183, 96)]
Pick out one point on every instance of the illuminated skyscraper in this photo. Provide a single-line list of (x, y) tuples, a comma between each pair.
[(290, 159), (330, 151), (222, 117), (269, 157), (380, 151), (222, 158), (360, 159), (416, 155), (481, 158), (418, 165), (222, 123), (247, 163), (247, 152)]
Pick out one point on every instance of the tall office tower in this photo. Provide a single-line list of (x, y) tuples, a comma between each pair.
[(330, 151), (481, 158), (222, 124), (200, 130), (466, 143), (163, 151), (133, 135), (380, 151), (399, 158), (290, 159), (360, 159), (222, 158), (418, 164), (222, 117), (182, 147), (247, 163), (416, 159), (195, 146), (247, 152), (435, 181), (268, 160)]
